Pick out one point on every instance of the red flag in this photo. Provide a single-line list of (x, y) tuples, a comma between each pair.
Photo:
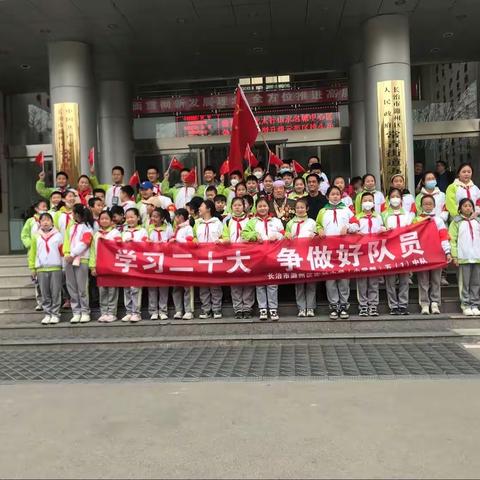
[(250, 157), (224, 168), (134, 179), (298, 168), (91, 157), (40, 159), (191, 178), (273, 159), (176, 165), (244, 130)]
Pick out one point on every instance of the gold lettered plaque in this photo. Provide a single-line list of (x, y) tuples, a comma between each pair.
[(67, 139), (391, 130)]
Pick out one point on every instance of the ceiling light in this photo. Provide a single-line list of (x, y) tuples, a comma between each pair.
[(448, 35), (25, 66), (113, 26), (434, 50)]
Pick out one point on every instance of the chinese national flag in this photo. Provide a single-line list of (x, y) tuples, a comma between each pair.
[(91, 157), (225, 167), (40, 159), (250, 157), (273, 159), (191, 178), (176, 165), (244, 130), (134, 179), (298, 168)]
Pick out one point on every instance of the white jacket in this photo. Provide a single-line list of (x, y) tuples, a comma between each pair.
[(233, 228), (78, 238), (370, 223), (183, 233), (137, 234), (397, 218), (48, 249), (333, 220), (301, 227), (161, 234), (208, 230), (439, 197)]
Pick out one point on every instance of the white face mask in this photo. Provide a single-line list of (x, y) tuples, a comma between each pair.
[(233, 182), (367, 206), (258, 174), (395, 202)]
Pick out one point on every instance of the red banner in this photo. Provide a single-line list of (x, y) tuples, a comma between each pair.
[(146, 264), (330, 94)]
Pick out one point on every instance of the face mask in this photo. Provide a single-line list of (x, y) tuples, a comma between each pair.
[(42, 211), (283, 170), (367, 206), (233, 182), (259, 175), (395, 201), (430, 184)]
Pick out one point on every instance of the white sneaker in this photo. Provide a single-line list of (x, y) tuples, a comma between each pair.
[(301, 313), (425, 310), (468, 312), (475, 311), (102, 318), (163, 316), (135, 318), (310, 312), (54, 319), (178, 316), (110, 318), (38, 308), (126, 318), (154, 316), (85, 318), (435, 308), (75, 319), (188, 316), (46, 320), (217, 315), (444, 282)]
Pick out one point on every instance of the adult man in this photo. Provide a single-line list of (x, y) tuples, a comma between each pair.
[(182, 193), (61, 179), (418, 171), (444, 177), (316, 201), (281, 206)]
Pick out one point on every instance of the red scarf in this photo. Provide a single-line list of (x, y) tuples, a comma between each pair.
[(46, 238), (297, 232), (83, 196), (238, 226)]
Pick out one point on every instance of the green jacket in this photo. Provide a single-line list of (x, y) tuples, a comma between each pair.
[(32, 257), (26, 235)]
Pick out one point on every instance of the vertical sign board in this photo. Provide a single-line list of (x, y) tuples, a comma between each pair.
[(392, 136), (67, 139)]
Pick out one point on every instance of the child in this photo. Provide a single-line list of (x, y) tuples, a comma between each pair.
[(429, 281), (99, 193), (369, 221), (133, 232), (408, 200), (126, 198), (112, 191), (45, 262), (287, 177), (182, 296), (55, 202), (369, 185), (118, 218), (220, 204), (339, 182), (251, 183), (267, 190), (249, 203), (108, 296), (465, 243), (32, 225), (300, 226), (210, 193), (462, 187), (396, 217), (235, 177), (243, 297), (299, 189), (207, 229), (160, 231), (76, 248), (429, 187), (336, 219), (96, 206), (209, 175), (64, 215), (61, 179), (180, 194), (261, 228)]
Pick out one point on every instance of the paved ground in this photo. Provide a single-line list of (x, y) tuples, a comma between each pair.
[(356, 429)]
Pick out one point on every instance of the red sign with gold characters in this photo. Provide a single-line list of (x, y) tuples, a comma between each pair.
[(324, 95), (149, 264)]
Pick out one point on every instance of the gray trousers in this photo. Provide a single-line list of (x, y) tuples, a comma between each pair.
[(181, 299), (108, 298), (77, 286), (132, 298), (157, 300), (211, 299), (38, 293), (50, 284), (429, 289), (469, 284), (306, 295), (243, 298), (397, 299), (267, 296), (367, 291), (338, 292)]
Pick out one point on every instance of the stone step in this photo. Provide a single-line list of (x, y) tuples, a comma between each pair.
[(17, 280), (14, 270), (10, 291), (9, 260)]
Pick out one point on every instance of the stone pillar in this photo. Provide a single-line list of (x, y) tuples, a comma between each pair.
[(356, 88), (71, 80), (115, 128), (4, 213), (386, 57)]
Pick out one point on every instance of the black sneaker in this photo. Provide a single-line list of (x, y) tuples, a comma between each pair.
[(247, 314), (344, 314), (372, 311), (263, 315), (205, 315), (403, 311), (238, 315), (333, 315), (394, 311), (363, 312)]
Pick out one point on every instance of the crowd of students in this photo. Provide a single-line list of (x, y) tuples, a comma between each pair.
[(62, 236)]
